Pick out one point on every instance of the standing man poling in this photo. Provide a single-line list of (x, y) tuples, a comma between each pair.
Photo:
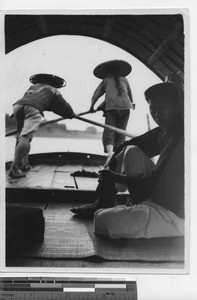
[(118, 100), (29, 110)]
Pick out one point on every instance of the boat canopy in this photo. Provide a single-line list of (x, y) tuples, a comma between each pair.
[(157, 40)]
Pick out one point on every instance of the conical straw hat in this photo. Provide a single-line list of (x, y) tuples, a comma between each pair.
[(48, 79), (122, 67)]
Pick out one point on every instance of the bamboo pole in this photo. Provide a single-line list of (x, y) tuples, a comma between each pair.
[(78, 117), (148, 122), (121, 131), (12, 132)]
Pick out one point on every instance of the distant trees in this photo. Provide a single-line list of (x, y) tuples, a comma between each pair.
[(51, 129), (56, 130), (91, 129), (10, 124), (56, 126)]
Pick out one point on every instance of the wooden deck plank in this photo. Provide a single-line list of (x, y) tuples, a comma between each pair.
[(36, 168), (92, 168), (14, 183), (63, 180), (86, 183), (47, 168), (53, 176), (55, 207), (73, 168), (41, 179), (68, 168), (41, 205)]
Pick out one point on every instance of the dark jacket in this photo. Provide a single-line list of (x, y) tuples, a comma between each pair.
[(159, 142)]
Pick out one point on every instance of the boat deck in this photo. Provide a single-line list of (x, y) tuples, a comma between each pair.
[(70, 241), (54, 172), (53, 177), (44, 176)]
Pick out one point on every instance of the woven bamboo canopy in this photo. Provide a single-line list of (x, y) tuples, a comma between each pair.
[(157, 40)]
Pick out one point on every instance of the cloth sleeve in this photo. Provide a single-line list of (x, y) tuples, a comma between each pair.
[(141, 186), (98, 93), (61, 107), (147, 142)]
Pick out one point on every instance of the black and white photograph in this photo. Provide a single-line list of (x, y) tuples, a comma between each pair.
[(96, 140)]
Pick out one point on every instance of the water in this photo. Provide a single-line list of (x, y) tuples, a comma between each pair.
[(45, 144)]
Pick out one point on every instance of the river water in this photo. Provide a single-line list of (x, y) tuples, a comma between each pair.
[(45, 144)]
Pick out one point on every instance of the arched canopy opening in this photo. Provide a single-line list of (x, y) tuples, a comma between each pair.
[(157, 40)]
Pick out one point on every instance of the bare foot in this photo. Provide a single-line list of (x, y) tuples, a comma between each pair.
[(16, 174), (86, 211), (25, 168)]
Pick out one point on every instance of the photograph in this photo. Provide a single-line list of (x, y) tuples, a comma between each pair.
[(96, 140)]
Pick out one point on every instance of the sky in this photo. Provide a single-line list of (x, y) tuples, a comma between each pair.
[(74, 59)]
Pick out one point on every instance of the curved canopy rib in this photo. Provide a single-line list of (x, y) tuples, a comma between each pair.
[(156, 40)]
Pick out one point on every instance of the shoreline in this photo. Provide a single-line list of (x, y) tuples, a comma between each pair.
[(69, 134)]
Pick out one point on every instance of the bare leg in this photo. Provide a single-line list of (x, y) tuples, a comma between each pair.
[(25, 162), (106, 197), (109, 149), (22, 148), (130, 161)]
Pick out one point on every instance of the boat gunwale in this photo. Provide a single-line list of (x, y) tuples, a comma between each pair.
[(65, 158)]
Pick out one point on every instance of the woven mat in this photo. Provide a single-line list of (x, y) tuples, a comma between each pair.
[(67, 237), (150, 250)]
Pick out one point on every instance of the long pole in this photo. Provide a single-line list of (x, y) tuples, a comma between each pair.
[(148, 122), (78, 117), (12, 132), (121, 131)]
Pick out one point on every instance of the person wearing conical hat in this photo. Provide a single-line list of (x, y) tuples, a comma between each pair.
[(28, 111), (118, 100)]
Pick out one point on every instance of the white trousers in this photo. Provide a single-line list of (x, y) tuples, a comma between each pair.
[(145, 220)]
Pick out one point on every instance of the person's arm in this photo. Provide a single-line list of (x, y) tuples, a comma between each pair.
[(109, 175), (97, 94), (61, 107), (147, 142), (140, 186)]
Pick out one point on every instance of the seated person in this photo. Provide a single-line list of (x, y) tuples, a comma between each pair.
[(150, 214)]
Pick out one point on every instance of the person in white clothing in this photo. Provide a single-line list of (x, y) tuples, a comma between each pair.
[(156, 190)]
